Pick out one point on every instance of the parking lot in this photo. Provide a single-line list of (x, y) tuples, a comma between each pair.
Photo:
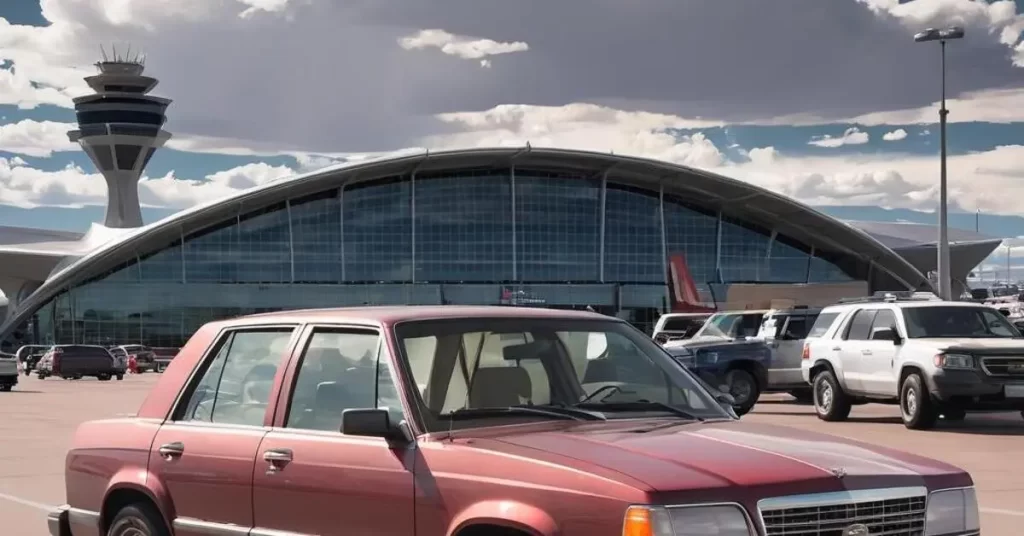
[(38, 418)]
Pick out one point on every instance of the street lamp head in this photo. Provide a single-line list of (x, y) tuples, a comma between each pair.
[(939, 34)]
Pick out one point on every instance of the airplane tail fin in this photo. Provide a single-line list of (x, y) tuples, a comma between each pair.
[(685, 298)]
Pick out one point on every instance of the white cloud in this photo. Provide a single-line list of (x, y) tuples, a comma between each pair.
[(73, 186), (269, 6), (35, 138), (852, 136), (895, 135), (460, 46)]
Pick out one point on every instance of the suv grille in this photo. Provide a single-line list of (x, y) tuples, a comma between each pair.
[(1005, 366), (886, 517)]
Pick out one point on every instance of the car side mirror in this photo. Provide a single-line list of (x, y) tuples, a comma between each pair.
[(371, 422), (886, 334)]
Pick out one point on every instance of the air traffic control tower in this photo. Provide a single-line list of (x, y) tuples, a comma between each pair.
[(120, 127)]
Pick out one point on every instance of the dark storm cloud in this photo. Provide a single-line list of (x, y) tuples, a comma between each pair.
[(334, 78)]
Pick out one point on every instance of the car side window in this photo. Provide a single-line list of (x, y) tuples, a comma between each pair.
[(341, 370), (236, 384), (860, 326), (884, 319)]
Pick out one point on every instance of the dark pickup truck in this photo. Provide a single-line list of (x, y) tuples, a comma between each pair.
[(740, 365), (162, 356)]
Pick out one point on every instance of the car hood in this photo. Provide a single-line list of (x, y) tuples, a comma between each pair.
[(972, 343), (683, 456)]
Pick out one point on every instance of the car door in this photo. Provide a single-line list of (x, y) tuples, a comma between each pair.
[(204, 454), (855, 349), (878, 372), (310, 478), (787, 349)]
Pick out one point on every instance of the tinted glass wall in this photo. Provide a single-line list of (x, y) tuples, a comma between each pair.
[(531, 237)]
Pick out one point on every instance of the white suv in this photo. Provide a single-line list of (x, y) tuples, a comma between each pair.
[(932, 357)]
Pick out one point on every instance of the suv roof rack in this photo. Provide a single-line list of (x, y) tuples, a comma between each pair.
[(892, 297)]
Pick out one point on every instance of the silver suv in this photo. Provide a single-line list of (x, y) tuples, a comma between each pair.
[(931, 357)]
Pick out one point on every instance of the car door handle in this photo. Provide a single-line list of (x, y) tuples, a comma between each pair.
[(277, 455), (837, 348), (866, 352), (172, 450)]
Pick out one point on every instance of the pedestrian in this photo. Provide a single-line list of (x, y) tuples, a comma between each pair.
[(133, 365)]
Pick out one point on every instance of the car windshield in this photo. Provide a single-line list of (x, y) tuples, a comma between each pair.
[(954, 322), (566, 367), (732, 325)]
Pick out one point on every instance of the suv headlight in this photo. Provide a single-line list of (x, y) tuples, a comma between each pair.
[(952, 511), (954, 361), (711, 520)]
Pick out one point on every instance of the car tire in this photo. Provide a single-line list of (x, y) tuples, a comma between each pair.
[(803, 396), (103, 377), (954, 414), (831, 403), (6, 387), (119, 377), (916, 405), (739, 379), (139, 519)]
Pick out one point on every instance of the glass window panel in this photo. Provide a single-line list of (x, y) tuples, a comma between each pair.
[(831, 268), (464, 227), (316, 238), (264, 249), (211, 256), (692, 233), (788, 262), (744, 250), (165, 264), (558, 228), (632, 250), (378, 231)]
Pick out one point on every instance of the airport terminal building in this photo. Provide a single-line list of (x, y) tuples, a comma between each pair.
[(513, 226)]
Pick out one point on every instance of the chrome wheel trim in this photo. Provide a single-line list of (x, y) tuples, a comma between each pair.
[(823, 397)]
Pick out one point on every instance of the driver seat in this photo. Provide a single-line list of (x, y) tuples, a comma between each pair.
[(499, 387)]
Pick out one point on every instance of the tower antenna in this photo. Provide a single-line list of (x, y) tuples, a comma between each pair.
[(103, 53), (128, 55)]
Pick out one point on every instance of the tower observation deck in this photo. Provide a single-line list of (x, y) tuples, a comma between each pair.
[(120, 127)]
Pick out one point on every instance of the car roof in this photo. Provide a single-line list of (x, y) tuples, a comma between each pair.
[(903, 304), (393, 314)]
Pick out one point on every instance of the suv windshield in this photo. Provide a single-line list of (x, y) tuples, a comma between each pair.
[(567, 368), (732, 325), (953, 322)]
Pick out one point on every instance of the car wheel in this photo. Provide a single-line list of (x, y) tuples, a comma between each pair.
[(103, 377), (743, 387), (803, 396), (916, 405), (6, 388), (120, 377), (139, 519), (954, 414), (831, 403)]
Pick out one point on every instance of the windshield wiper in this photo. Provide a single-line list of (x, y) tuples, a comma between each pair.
[(573, 410), (638, 405), (476, 413)]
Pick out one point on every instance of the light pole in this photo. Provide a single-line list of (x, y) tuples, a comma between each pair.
[(942, 35)]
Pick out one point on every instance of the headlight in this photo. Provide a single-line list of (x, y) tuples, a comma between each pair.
[(714, 520), (954, 361), (953, 511)]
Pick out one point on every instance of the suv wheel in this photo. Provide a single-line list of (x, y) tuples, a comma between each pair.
[(831, 403), (743, 387), (139, 519), (916, 405)]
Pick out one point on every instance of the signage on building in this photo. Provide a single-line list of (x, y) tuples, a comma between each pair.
[(520, 296)]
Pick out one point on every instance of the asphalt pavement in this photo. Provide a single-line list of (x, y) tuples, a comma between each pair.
[(38, 419)]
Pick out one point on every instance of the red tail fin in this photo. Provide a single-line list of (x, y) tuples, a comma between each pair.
[(685, 298)]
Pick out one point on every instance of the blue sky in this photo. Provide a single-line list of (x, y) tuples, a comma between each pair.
[(838, 111)]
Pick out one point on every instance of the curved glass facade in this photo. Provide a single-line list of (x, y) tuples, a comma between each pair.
[(482, 237)]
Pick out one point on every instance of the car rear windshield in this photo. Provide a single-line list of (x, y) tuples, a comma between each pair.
[(84, 351), (469, 364), (956, 322), (684, 324)]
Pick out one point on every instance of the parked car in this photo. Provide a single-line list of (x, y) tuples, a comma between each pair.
[(29, 356), (8, 371), (740, 367), (145, 359), (931, 357), (472, 421), (678, 326), (162, 356), (75, 361), (783, 330), (120, 358)]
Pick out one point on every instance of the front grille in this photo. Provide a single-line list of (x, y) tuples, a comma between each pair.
[(1004, 366), (886, 517)]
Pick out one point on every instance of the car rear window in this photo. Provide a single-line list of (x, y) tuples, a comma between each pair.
[(684, 323), (821, 324), (85, 351)]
